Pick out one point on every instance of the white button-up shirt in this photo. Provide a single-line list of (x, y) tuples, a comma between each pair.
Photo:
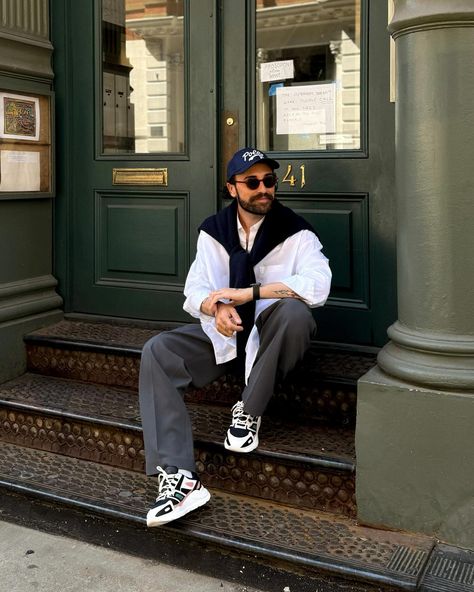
[(247, 243), (297, 262)]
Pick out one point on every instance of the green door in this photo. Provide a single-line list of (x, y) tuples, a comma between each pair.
[(177, 86), (139, 81), (317, 96)]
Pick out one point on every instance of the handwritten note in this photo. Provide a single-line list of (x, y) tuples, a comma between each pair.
[(271, 71), (306, 109)]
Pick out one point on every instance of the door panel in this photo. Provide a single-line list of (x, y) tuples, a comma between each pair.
[(159, 258)]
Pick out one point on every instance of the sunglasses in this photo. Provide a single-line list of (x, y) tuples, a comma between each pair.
[(254, 183)]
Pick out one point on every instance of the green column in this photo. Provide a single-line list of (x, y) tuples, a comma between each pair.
[(415, 434)]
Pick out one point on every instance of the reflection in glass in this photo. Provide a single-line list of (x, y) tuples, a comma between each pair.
[(308, 74), (143, 76)]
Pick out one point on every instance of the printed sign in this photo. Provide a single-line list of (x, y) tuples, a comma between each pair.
[(19, 170)]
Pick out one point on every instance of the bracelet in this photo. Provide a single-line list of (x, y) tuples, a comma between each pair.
[(256, 291)]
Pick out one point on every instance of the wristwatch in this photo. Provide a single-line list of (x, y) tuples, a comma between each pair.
[(256, 290)]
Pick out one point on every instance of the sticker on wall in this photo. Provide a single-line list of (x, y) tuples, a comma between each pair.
[(282, 70), (19, 117), (306, 109)]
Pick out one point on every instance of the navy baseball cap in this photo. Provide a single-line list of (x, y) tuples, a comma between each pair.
[(244, 158)]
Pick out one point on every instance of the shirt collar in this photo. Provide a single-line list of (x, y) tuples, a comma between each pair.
[(247, 245)]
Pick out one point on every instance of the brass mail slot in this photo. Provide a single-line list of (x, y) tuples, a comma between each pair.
[(140, 177)]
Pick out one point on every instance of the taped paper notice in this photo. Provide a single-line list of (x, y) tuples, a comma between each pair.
[(271, 71), (272, 91), (19, 117), (306, 109), (19, 171)]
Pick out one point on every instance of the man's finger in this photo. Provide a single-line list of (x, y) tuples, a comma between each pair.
[(213, 298), (234, 316)]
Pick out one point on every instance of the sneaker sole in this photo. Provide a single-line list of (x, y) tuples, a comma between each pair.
[(236, 448), (196, 500)]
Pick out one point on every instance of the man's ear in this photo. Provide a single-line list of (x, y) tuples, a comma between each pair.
[(231, 189)]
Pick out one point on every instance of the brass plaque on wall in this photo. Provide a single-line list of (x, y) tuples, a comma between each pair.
[(140, 177)]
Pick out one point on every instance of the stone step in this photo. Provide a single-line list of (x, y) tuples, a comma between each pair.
[(295, 539), (304, 464), (323, 386)]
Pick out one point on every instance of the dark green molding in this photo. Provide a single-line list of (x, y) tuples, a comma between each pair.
[(25, 57), (415, 15), (429, 359), (28, 297), (27, 19), (25, 46)]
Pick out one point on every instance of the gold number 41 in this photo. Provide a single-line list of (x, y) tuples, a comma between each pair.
[(291, 179)]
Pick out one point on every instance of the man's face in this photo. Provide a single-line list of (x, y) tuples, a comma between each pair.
[(256, 201)]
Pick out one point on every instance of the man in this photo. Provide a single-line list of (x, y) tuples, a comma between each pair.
[(258, 270)]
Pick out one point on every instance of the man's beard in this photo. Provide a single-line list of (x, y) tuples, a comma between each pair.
[(252, 206)]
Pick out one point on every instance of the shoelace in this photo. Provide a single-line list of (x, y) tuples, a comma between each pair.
[(240, 419), (166, 483)]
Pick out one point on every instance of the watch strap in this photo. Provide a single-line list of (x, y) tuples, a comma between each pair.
[(256, 291)]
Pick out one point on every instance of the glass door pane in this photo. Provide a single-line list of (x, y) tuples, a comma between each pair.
[(308, 74), (143, 65)]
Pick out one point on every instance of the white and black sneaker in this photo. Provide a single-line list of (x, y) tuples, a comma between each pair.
[(242, 436), (177, 495)]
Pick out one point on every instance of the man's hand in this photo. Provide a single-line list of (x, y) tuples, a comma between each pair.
[(227, 319), (234, 296), (209, 306)]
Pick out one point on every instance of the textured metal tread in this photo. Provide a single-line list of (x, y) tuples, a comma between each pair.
[(311, 443), (305, 538), (129, 339), (449, 569)]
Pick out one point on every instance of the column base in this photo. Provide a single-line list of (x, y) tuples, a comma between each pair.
[(414, 458), (430, 360)]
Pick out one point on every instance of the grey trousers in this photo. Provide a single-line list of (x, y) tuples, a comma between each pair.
[(174, 360)]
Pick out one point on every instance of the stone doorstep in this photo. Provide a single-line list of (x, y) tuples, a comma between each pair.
[(305, 465), (300, 539), (324, 386)]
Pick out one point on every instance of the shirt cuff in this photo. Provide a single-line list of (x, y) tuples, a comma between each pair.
[(193, 302), (303, 287)]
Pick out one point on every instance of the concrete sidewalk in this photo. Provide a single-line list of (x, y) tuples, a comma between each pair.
[(39, 562)]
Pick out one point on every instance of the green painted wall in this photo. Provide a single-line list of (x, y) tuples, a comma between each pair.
[(28, 297), (415, 461)]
